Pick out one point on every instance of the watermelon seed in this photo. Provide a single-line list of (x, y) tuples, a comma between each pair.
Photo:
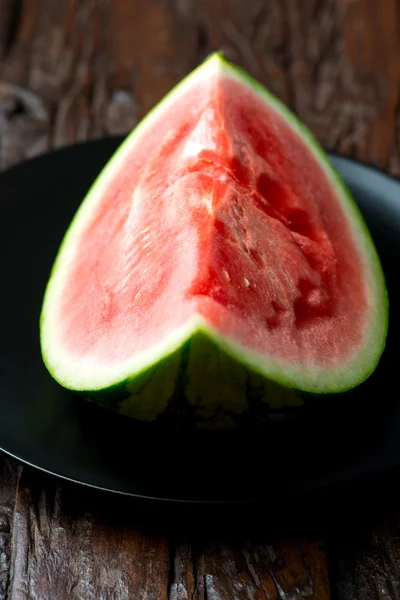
[(256, 256), (246, 282), (226, 274)]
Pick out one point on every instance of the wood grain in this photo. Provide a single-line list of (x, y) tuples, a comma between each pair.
[(71, 70), (81, 69), (67, 544), (9, 473)]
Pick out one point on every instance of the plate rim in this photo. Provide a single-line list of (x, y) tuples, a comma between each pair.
[(350, 479)]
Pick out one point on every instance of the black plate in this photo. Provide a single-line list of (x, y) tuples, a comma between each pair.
[(47, 427)]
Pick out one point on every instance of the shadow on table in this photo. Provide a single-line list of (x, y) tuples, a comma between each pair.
[(305, 514)]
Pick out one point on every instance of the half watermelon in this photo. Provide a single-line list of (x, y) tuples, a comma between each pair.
[(218, 268)]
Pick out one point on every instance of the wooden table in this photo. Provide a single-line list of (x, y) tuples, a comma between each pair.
[(77, 69)]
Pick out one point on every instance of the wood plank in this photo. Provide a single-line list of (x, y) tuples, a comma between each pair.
[(84, 69), (9, 473), (60, 550), (368, 560), (9, 19), (71, 544), (364, 547)]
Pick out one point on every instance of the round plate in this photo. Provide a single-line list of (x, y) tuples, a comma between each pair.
[(48, 427)]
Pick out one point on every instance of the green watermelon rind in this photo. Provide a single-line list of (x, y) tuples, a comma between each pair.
[(315, 379)]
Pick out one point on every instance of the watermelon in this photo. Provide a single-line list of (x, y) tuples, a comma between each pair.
[(218, 270)]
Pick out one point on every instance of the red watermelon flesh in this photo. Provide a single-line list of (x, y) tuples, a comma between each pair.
[(219, 213), (222, 211)]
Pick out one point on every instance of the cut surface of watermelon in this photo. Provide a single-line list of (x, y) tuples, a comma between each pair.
[(218, 234)]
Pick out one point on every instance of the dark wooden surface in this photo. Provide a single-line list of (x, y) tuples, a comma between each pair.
[(77, 69)]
